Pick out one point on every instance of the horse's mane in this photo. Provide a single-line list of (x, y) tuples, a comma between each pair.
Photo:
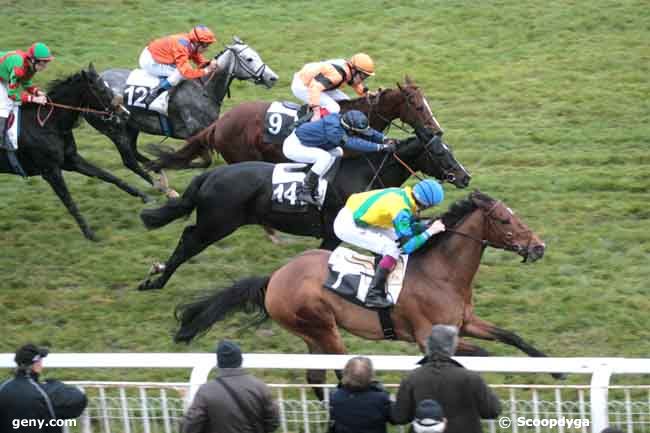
[(59, 86), (455, 215)]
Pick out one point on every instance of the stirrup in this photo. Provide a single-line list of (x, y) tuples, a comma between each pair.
[(308, 198), (377, 301)]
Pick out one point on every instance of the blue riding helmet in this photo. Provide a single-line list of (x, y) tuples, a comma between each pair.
[(428, 193), (355, 121)]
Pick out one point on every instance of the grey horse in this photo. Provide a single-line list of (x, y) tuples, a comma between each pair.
[(193, 104)]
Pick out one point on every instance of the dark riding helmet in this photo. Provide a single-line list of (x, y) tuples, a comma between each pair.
[(355, 121)]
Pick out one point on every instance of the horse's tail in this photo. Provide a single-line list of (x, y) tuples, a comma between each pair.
[(196, 146), (197, 317), (175, 207)]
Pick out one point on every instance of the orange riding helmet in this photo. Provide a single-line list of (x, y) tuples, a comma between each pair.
[(202, 34), (363, 63)]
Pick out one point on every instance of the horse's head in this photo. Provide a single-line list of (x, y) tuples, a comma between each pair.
[(414, 108), (100, 97), (506, 230), (443, 159), (428, 154), (246, 64)]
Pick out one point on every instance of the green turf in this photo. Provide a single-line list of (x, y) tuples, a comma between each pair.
[(546, 103)]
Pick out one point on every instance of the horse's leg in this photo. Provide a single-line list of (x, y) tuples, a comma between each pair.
[(54, 177), (195, 238), (316, 377), (467, 349), (478, 328), (273, 235), (126, 145), (330, 243), (79, 164)]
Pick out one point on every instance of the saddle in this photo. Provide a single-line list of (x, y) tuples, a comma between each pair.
[(282, 118), (350, 274), (138, 86)]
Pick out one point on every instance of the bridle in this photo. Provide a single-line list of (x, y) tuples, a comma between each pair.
[(491, 221), (108, 112), (430, 154), (257, 75)]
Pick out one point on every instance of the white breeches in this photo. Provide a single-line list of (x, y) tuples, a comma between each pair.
[(322, 159), (6, 104), (378, 240), (328, 98), (148, 63)]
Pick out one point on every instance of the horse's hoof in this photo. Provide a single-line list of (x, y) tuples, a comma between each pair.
[(146, 285), (91, 236), (156, 268), (171, 193)]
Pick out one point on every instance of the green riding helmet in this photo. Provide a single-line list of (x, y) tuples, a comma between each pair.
[(40, 52)]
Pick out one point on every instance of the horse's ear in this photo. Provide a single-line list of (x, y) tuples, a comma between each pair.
[(91, 68), (408, 81), (399, 86)]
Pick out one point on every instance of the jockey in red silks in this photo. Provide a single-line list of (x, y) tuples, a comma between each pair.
[(17, 68), (171, 56)]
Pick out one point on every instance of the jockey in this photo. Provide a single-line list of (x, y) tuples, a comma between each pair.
[(170, 57), (318, 83), (17, 68), (376, 220), (321, 142)]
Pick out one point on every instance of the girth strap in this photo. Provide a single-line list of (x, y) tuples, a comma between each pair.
[(387, 325)]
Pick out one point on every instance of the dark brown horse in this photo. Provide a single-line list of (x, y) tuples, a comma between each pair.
[(238, 135), (437, 289)]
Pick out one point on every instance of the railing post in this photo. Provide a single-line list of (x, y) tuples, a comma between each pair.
[(598, 397), (199, 376)]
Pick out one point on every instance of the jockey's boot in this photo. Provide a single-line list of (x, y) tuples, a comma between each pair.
[(157, 91), (309, 190), (376, 297), (3, 135)]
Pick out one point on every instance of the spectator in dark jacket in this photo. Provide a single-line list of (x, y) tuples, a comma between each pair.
[(360, 405), (463, 395), (236, 402), (30, 406)]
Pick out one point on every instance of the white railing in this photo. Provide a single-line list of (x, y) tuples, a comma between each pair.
[(600, 369)]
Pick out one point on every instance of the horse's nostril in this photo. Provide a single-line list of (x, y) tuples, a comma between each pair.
[(538, 250)]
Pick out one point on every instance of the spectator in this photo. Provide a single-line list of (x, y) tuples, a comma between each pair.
[(429, 418), (236, 402), (612, 430), (360, 405), (463, 395), (24, 398)]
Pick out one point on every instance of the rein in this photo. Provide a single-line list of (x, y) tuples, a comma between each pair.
[(52, 105)]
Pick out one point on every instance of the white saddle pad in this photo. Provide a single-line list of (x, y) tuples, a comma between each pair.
[(349, 262), (138, 85), (12, 132), (287, 177)]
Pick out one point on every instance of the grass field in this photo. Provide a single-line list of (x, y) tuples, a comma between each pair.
[(546, 103)]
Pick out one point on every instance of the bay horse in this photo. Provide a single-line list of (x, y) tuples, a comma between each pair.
[(193, 104), (238, 135), (231, 196), (437, 289), (46, 144)]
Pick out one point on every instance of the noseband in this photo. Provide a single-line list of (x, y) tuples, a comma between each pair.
[(256, 75), (503, 246)]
